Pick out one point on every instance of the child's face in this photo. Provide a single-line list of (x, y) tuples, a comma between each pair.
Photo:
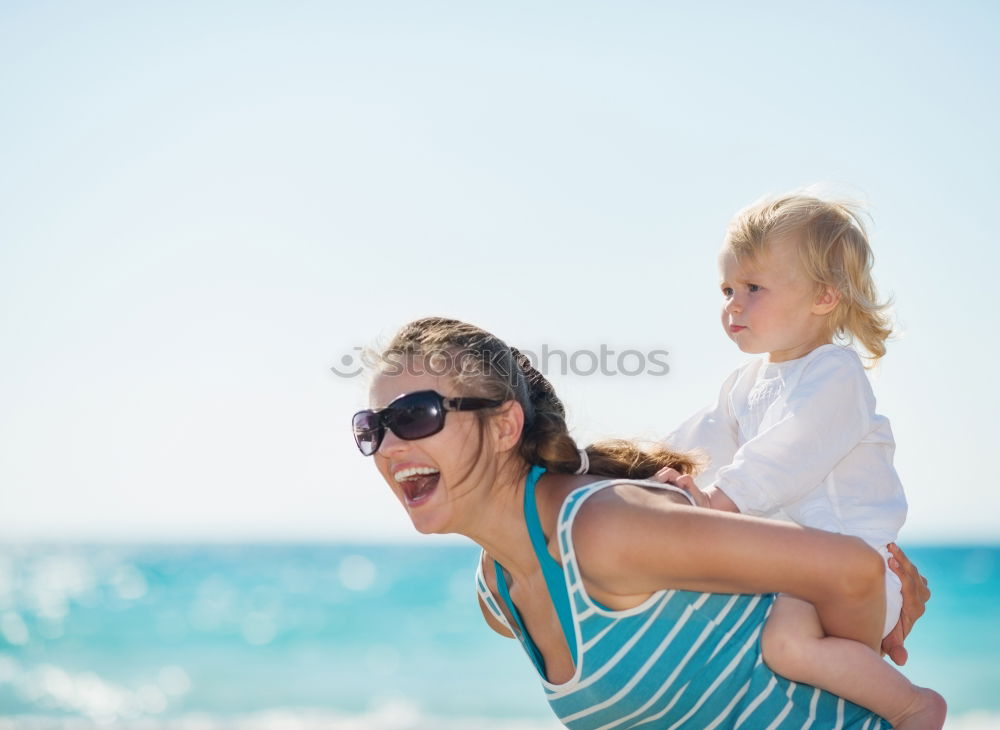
[(772, 306)]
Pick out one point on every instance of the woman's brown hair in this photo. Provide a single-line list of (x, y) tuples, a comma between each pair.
[(482, 365)]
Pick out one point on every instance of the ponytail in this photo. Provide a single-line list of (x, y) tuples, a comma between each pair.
[(546, 440), (485, 366)]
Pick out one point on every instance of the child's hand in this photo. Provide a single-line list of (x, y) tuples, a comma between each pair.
[(667, 475), (915, 595)]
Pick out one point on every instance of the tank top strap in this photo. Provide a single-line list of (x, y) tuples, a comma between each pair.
[(552, 571)]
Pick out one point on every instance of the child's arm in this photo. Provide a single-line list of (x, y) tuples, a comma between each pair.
[(827, 413), (711, 498), (717, 499), (712, 431)]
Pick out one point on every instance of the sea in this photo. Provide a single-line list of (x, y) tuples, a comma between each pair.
[(346, 637)]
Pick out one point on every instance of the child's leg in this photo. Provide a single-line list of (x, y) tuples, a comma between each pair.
[(794, 646)]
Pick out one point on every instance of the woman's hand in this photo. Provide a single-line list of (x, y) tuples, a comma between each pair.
[(915, 596), (666, 475)]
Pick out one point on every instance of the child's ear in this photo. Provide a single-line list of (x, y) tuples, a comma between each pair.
[(826, 300)]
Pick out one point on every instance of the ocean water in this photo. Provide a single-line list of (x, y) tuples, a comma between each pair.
[(345, 637)]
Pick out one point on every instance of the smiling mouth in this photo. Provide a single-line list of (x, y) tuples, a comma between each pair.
[(417, 484)]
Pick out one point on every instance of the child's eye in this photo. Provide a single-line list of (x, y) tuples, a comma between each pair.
[(753, 287), (727, 291)]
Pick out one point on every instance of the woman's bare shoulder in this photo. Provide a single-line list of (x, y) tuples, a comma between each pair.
[(629, 499), (615, 523)]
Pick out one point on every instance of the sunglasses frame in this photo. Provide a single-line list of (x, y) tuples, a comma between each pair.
[(385, 415)]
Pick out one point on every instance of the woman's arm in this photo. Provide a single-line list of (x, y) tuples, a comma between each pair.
[(669, 545)]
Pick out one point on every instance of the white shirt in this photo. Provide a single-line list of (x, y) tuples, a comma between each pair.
[(801, 440)]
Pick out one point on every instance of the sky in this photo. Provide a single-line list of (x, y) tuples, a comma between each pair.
[(205, 207)]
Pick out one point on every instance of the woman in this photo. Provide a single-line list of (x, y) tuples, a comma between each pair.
[(636, 608)]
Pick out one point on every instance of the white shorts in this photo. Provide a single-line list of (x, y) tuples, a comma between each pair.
[(893, 596)]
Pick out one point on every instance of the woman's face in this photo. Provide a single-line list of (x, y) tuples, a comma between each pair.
[(432, 477)]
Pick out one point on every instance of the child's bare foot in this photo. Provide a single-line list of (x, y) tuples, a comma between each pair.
[(926, 712)]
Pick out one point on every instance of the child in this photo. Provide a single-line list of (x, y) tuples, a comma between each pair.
[(795, 433)]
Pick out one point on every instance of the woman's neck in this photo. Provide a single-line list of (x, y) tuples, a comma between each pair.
[(501, 529), (498, 523)]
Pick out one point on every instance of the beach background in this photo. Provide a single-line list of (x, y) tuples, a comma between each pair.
[(191, 637), (207, 211)]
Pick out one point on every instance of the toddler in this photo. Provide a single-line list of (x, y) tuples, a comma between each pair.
[(794, 433)]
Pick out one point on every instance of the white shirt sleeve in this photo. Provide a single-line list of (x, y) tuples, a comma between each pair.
[(713, 432), (828, 412)]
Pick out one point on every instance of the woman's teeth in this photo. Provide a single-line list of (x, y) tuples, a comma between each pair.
[(404, 474)]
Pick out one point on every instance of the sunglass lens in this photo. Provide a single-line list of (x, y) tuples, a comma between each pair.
[(367, 431), (417, 416)]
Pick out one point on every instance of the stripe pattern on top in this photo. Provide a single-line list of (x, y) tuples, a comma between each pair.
[(681, 659)]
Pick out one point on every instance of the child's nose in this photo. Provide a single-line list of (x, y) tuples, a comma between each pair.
[(734, 304)]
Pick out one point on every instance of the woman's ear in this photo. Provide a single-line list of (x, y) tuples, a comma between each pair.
[(827, 300), (508, 423)]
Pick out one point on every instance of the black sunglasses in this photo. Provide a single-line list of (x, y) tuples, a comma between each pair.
[(411, 416)]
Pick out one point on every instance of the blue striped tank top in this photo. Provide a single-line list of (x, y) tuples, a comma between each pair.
[(681, 659)]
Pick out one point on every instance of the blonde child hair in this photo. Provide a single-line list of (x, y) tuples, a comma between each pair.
[(833, 247)]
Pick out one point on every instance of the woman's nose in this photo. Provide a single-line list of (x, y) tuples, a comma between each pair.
[(391, 443)]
